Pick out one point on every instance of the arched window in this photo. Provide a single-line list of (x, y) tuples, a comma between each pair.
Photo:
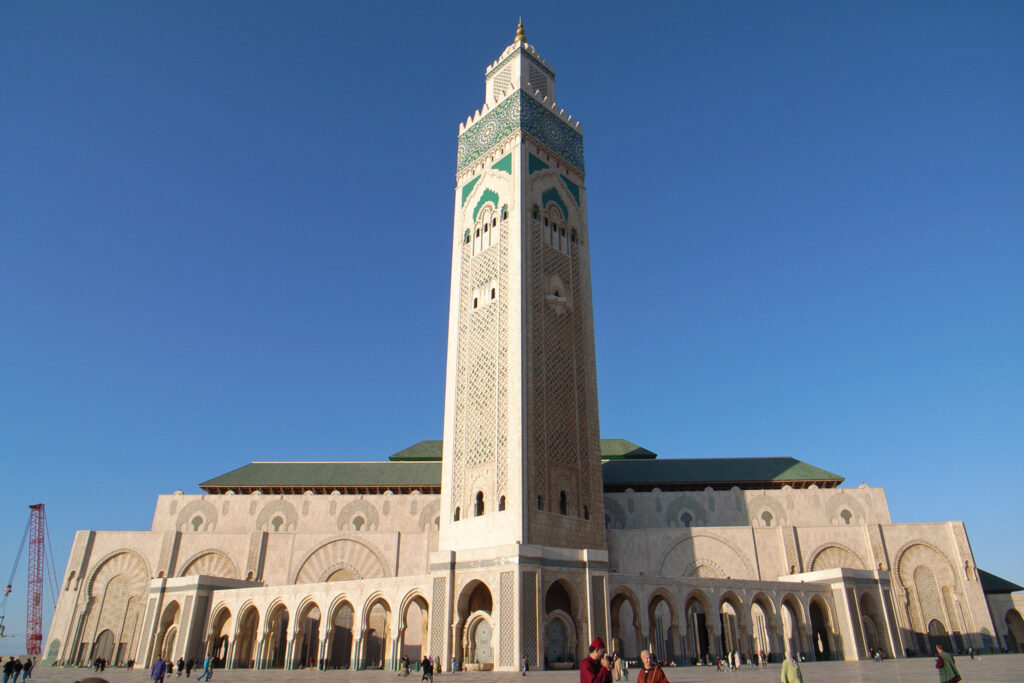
[(494, 221), (485, 227), (475, 301), (686, 519), (767, 517), (197, 522), (458, 513), (492, 292), (846, 515), (540, 502), (501, 503), (465, 239), (478, 232), (545, 220), (478, 509), (586, 512), (504, 214), (536, 214), (563, 503), (276, 523), (357, 523)]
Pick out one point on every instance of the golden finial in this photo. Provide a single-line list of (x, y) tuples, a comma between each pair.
[(520, 33)]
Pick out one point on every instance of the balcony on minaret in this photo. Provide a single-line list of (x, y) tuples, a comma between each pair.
[(520, 67)]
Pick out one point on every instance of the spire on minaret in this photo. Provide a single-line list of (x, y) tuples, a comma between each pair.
[(520, 33)]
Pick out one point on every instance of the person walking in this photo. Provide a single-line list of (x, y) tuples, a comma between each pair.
[(189, 665), (159, 670), (181, 665), (791, 670), (8, 669), (27, 673), (945, 663), (18, 666), (427, 669), (207, 668)]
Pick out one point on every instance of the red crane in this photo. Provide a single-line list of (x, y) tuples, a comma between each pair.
[(37, 534), (36, 565)]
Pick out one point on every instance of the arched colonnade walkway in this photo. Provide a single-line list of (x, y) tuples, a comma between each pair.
[(687, 621)]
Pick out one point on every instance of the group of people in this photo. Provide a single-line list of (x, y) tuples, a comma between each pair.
[(162, 668), (17, 668)]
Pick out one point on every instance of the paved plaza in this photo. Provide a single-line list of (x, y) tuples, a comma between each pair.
[(989, 669)]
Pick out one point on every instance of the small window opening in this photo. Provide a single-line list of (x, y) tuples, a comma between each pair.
[(536, 214), (558, 293), (767, 517), (686, 519), (545, 220), (358, 523), (276, 523), (494, 221), (563, 503), (478, 509), (846, 515), (475, 302), (492, 292), (437, 522), (586, 512), (478, 232), (501, 503), (561, 231), (458, 513), (485, 228), (572, 235), (197, 522), (504, 214), (540, 502), (465, 240)]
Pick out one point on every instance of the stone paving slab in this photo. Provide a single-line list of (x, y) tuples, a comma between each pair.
[(988, 669)]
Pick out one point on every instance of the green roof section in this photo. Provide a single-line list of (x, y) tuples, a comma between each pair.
[(620, 449), (625, 465), (651, 473), (294, 475), (990, 583), (424, 450)]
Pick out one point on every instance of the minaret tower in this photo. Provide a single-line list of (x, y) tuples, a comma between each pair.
[(521, 495)]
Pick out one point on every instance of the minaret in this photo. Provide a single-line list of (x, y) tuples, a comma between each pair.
[(521, 475)]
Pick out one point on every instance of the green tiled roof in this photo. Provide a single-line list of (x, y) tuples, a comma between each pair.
[(620, 449), (626, 466), (698, 472), (990, 583), (424, 450), (611, 449), (328, 475)]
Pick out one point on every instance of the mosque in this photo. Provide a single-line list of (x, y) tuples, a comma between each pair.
[(523, 533)]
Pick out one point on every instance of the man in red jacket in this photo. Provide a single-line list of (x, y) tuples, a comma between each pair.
[(591, 669)]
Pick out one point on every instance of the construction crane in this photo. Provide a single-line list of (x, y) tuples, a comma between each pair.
[(38, 535)]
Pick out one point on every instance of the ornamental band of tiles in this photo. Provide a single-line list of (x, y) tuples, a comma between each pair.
[(522, 533)]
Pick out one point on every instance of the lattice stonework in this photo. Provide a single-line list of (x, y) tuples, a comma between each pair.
[(528, 625), (507, 637), (597, 607), (481, 411), (437, 616)]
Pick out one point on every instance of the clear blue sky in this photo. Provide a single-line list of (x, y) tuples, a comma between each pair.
[(225, 228)]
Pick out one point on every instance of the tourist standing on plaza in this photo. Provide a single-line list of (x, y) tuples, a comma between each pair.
[(8, 668), (948, 672), (159, 670), (524, 666), (791, 670), (591, 670), (651, 672), (427, 667)]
